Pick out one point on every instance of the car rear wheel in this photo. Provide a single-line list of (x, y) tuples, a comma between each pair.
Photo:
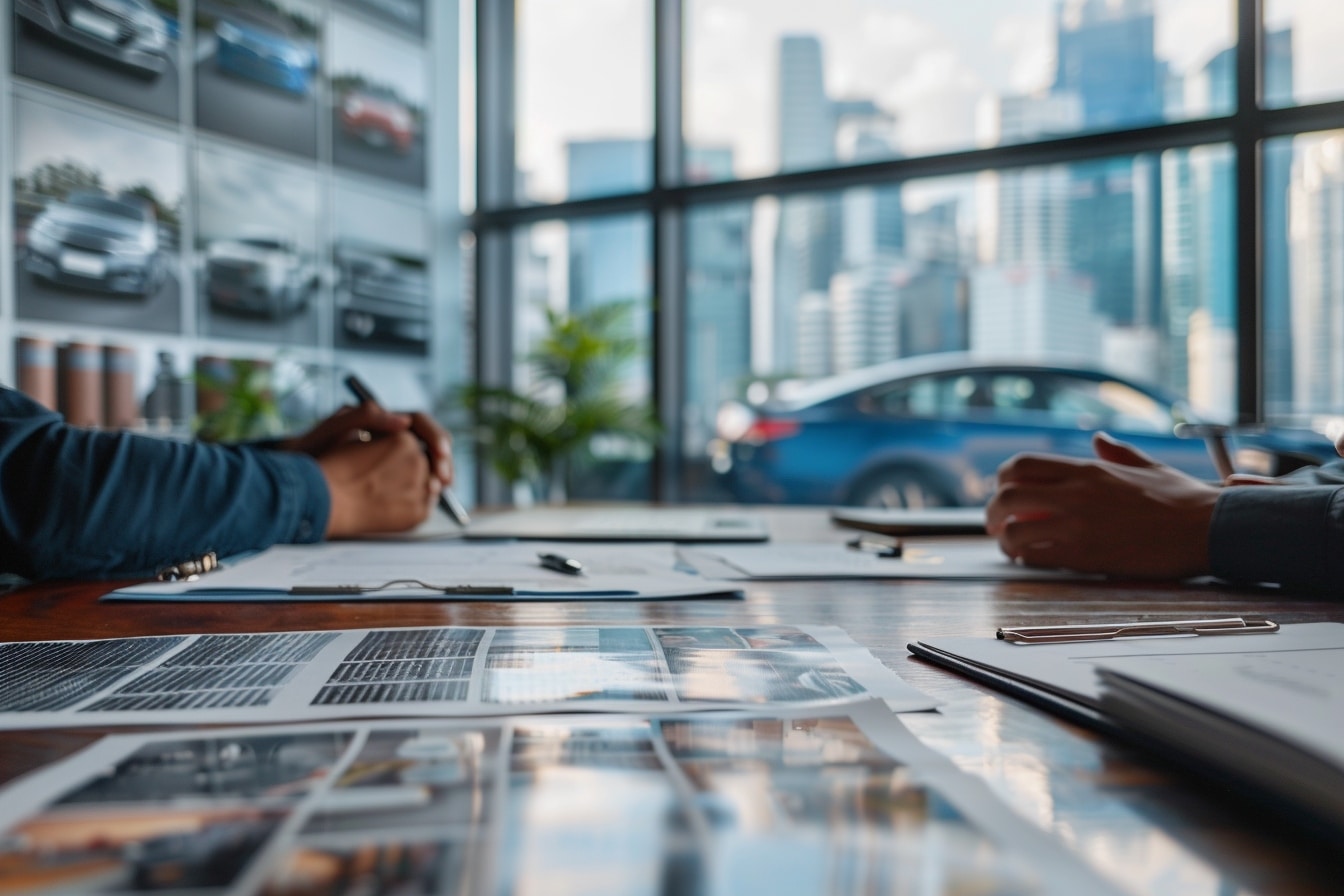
[(900, 487)]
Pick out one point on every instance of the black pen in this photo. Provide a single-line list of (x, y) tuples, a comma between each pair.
[(447, 500), (566, 565)]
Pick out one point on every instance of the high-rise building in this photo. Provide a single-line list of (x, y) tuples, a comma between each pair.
[(1106, 58), (609, 258), (1316, 240), (718, 301), (807, 242)]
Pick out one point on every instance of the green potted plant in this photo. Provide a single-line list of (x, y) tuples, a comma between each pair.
[(236, 400), (540, 436)]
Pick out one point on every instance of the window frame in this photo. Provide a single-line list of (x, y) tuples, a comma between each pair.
[(668, 199)]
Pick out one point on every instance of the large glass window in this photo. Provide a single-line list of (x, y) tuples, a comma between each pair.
[(584, 101), (594, 271), (815, 200)]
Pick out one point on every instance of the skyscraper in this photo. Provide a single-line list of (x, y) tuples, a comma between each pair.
[(1107, 59), (1316, 206), (718, 300), (808, 236)]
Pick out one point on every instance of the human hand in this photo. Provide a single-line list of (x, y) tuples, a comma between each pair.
[(1122, 514), (383, 485), (367, 419)]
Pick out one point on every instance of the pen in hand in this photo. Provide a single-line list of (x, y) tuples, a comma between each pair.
[(447, 500)]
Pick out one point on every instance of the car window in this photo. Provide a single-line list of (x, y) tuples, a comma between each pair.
[(1109, 404), (982, 395)]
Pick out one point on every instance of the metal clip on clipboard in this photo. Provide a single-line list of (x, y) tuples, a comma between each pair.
[(1058, 634)]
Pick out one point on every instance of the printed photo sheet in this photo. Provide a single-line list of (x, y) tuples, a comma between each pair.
[(789, 802), (309, 676)]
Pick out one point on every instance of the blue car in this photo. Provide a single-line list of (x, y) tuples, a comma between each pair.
[(931, 431), (264, 47)]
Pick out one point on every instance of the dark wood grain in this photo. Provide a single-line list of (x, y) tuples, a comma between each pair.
[(1137, 821)]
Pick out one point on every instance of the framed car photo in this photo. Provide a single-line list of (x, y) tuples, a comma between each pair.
[(256, 265), (97, 221), (125, 52), (258, 70), (379, 88)]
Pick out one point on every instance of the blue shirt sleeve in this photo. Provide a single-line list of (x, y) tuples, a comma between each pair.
[(1292, 535), (83, 503)]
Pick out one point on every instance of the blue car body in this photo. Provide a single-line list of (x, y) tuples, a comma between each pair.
[(263, 50), (932, 431)]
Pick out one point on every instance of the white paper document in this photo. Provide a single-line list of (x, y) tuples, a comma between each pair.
[(932, 559), (351, 673), (789, 802), (622, 523), (386, 570)]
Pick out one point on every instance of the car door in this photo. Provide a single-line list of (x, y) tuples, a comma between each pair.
[(962, 423)]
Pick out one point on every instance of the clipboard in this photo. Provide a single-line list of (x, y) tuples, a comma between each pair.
[(454, 570)]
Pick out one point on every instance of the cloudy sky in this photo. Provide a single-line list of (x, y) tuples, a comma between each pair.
[(584, 65), (125, 158), (378, 56), (238, 196)]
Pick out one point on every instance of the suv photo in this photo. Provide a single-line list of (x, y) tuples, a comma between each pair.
[(381, 298), (97, 241), (259, 275)]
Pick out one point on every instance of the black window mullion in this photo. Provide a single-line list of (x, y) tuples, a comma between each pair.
[(494, 257), (1249, 202), (669, 298)]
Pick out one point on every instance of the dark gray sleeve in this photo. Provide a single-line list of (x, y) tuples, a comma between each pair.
[(1326, 474), (1292, 535)]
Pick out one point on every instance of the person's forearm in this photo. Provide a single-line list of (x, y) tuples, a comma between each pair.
[(1290, 536), (92, 504)]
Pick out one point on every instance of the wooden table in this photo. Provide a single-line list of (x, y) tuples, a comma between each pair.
[(1133, 819)]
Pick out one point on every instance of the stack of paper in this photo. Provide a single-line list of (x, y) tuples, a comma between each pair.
[(1270, 719), (1266, 710)]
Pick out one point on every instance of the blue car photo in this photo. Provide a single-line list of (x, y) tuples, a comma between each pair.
[(265, 47), (931, 431)]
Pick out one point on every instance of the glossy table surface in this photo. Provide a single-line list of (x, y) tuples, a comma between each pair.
[(1131, 817)]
